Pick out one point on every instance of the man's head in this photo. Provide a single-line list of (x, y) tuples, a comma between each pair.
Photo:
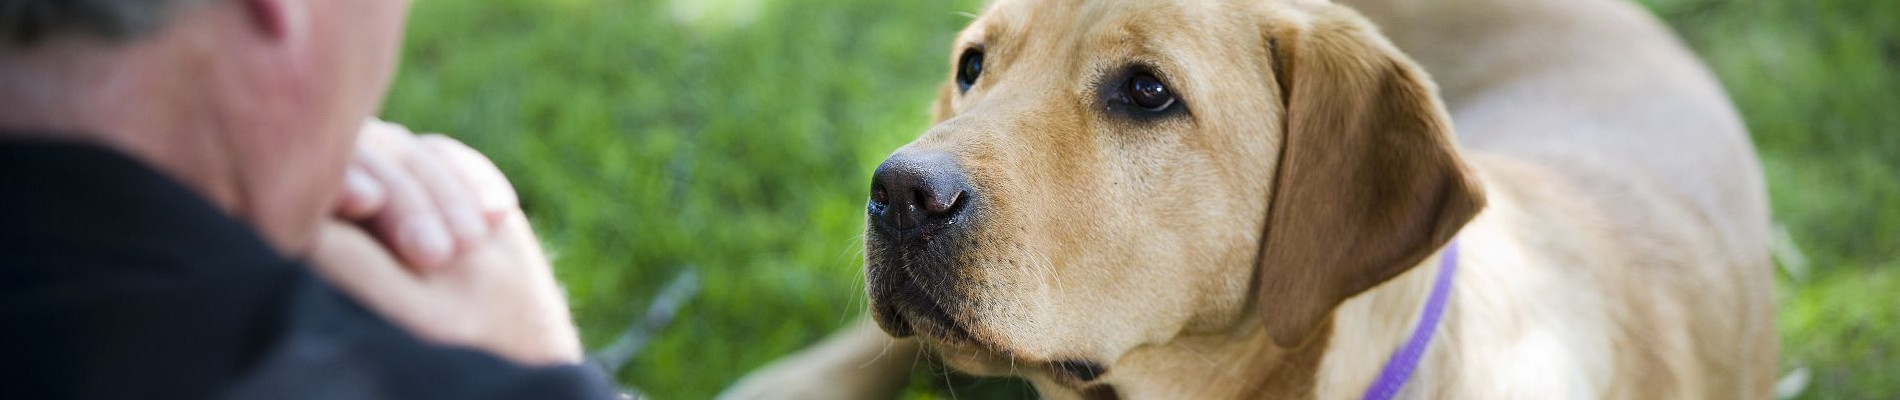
[(253, 103)]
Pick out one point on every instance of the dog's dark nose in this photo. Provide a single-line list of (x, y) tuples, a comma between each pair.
[(921, 188)]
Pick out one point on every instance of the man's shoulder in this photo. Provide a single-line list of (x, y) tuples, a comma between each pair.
[(82, 204)]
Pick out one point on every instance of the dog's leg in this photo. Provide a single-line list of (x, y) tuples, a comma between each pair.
[(858, 362)]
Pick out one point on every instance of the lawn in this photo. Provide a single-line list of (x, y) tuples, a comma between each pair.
[(735, 138)]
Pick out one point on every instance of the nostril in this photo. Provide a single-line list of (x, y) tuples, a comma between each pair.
[(939, 205), (878, 196), (922, 198)]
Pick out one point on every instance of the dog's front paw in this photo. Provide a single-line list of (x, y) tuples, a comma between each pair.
[(858, 362), (794, 381)]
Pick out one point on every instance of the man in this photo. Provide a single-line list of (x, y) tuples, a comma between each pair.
[(174, 221)]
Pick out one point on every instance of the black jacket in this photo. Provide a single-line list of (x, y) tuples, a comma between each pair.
[(116, 282)]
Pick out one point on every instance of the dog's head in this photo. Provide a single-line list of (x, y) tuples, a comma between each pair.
[(1111, 174)]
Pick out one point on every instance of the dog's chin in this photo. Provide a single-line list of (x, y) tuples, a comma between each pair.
[(914, 281), (917, 288), (913, 313), (903, 311), (977, 357), (952, 342), (901, 306)]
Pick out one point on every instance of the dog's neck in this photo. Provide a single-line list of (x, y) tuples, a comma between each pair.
[(1240, 365), (1368, 328), (1341, 361)]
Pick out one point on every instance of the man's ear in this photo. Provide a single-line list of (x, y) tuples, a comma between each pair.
[(1369, 180), (279, 19)]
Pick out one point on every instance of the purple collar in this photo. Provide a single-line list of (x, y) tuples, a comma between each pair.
[(1398, 369)]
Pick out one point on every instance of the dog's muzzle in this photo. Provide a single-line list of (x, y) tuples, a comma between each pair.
[(920, 216)]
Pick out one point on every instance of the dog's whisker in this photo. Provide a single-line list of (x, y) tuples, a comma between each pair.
[(1048, 267), (1012, 366), (918, 358), (1029, 265), (856, 251), (948, 384), (888, 343)]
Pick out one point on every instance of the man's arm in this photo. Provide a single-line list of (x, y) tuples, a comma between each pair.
[(334, 348), (119, 282)]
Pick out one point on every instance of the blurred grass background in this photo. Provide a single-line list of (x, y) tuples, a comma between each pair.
[(735, 137)]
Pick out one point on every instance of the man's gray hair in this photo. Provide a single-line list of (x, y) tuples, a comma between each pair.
[(27, 22)]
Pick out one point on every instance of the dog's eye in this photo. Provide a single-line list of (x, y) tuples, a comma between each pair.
[(968, 68), (1147, 91)]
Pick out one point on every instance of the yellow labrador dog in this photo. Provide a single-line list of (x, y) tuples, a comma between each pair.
[(1246, 199)]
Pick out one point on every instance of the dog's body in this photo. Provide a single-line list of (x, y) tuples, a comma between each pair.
[(1620, 251), (1626, 207)]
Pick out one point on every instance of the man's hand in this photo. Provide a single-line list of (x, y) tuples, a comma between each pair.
[(427, 197), (500, 296), (429, 234)]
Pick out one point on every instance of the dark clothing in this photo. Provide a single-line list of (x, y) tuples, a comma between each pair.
[(116, 282)]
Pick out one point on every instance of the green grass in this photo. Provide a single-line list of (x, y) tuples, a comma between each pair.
[(648, 138)]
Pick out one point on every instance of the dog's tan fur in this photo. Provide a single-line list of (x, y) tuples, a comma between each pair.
[(1278, 241)]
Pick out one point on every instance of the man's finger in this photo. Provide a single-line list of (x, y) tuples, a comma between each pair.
[(452, 197), (495, 196), (362, 195), (410, 222)]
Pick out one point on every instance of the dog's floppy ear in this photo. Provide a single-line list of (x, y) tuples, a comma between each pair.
[(1369, 182)]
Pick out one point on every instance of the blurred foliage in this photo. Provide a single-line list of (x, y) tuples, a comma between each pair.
[(735, 137)]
